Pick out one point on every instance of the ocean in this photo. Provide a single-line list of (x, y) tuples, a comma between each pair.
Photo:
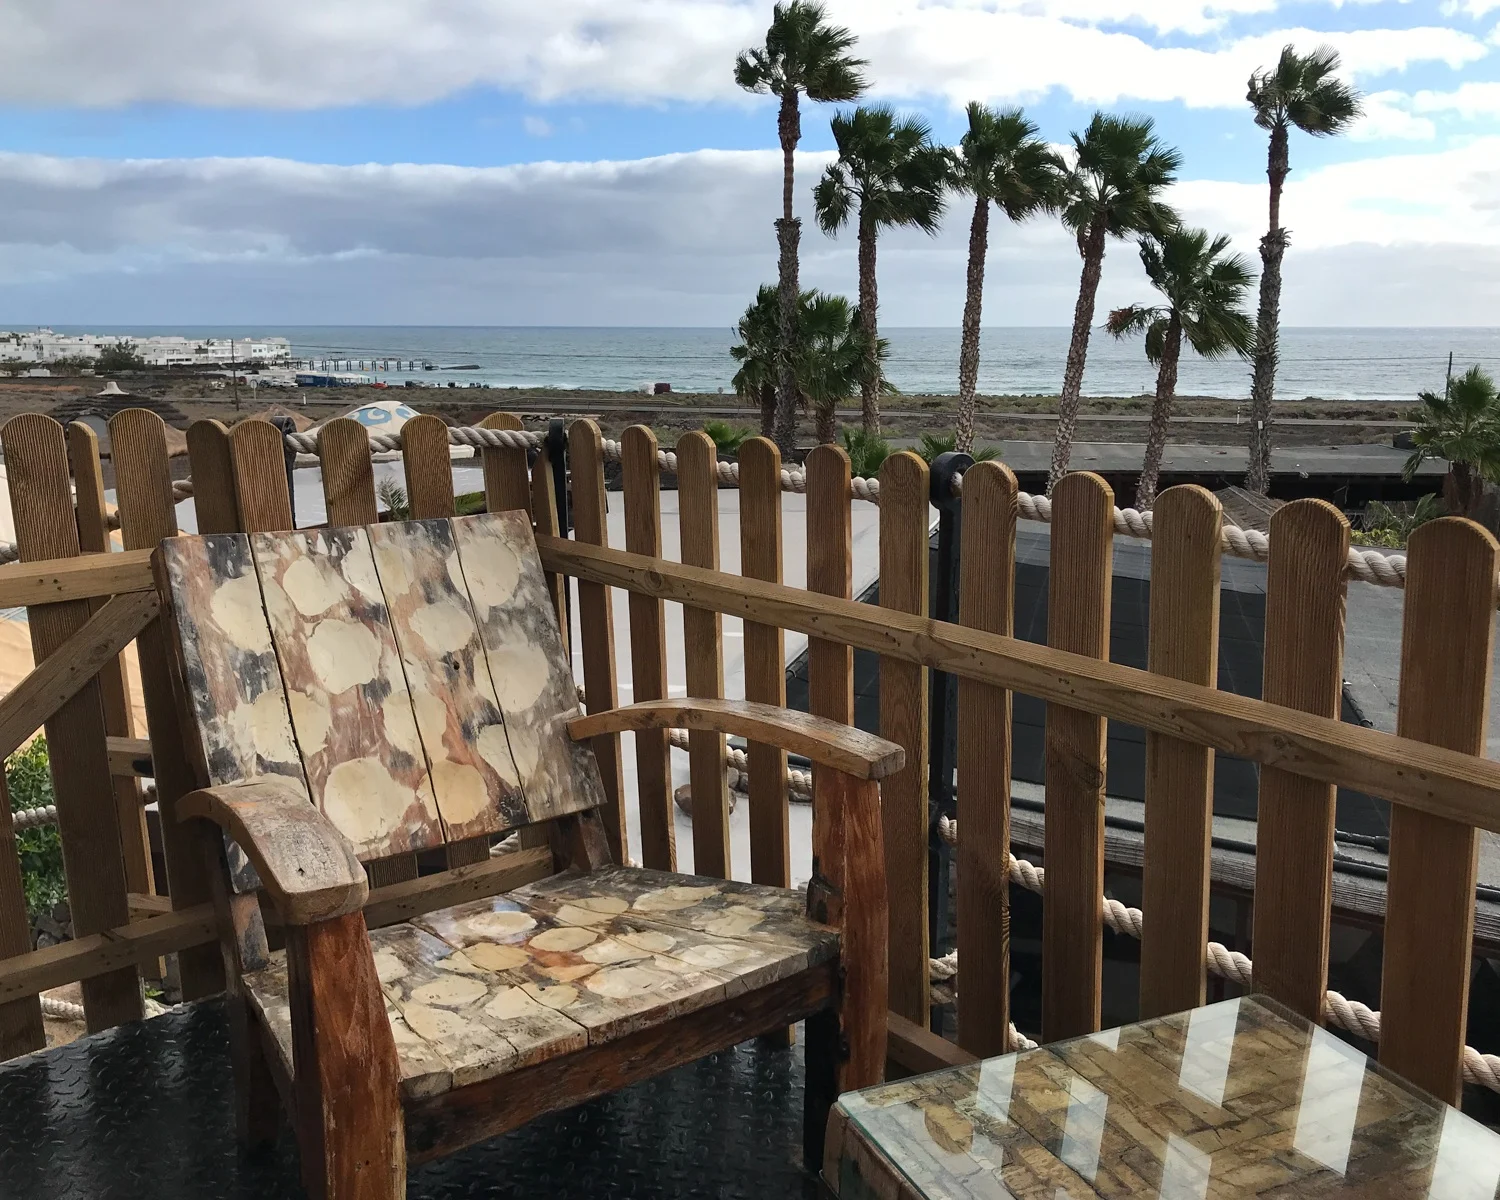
[(1352, 364)]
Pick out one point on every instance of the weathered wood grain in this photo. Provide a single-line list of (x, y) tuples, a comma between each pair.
[(474, 777), (348, 471), (528, 666), (215, 503), (260, 485), (350, 707), (428, 465), (506, 485), (81, 578)]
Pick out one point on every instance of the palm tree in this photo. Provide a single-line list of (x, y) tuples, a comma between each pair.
[(802, 54), (1113, 189), (1463, 426), (759, 332), (999, 160), (1205, 292), (891, 174), (1300, 90)]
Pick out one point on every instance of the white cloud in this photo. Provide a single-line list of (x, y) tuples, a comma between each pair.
[(683, 239), (1388, 116), (1469, 100), (537, 126), (321, 53)]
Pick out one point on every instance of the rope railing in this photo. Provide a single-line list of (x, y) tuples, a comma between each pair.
[(1349, 1015)]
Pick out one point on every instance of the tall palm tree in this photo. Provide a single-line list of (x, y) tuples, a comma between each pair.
[(889, 173), (1114, 187), (803, 53), (757, 352), (1461, 425), (1000, 161), (1205, 289), (1300, 90)]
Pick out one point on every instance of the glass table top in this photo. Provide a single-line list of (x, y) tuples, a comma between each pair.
[(1239, 1098)]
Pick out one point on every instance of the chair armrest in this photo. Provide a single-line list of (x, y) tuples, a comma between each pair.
[(827, 743), (308, 867)]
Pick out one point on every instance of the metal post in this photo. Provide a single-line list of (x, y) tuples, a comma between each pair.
[(557, 453), (942, 748)]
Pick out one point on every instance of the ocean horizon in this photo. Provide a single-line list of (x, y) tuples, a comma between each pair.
[(1323, 363)]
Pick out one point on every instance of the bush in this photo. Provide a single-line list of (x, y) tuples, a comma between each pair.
[(29, 781), (1391, 525), (393, 496), (727, 438), (122, 356), (934, 444), (866, 452)]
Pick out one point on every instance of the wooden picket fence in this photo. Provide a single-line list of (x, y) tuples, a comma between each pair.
[(85, 605)]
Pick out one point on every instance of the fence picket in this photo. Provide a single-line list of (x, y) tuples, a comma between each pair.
[(596, 622), (987, 602), (143, 485), (1078, 601), (904, 532), (261, 493), (1184, 643), (765, 661), (648, 649), (1304, 661), (214, 502), (36, 460), (506, 485), (348, 470), (1446, 646)]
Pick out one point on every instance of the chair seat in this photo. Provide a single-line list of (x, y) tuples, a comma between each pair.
[(570, 961)]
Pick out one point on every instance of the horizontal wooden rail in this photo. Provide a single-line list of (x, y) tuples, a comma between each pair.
[(144, 940), (80, 578), (129, 756), (1446, 783)]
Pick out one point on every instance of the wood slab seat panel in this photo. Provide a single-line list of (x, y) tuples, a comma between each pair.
[(532, 676), (474, 777), (350, 707), (501, 984)]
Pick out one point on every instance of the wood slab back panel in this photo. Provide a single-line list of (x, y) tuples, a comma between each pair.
[(1304, 659), (830, 665), (474, 776), (1184, 644), (506, 482), (1078, 599), (351, 710), (212, 463), (143, 486), (765, 661), (703, 650), (527, 664), (596, 623), (1446, 645), (348, 470), (260, 484), (94, 538), (36, 460), (21, 1029), (648, 649), (904, 527), (986, 601)]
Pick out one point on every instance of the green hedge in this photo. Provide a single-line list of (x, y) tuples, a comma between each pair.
[(30, 784)]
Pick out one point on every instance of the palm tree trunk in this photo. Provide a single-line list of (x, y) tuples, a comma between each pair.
[(869, 387), (1078, 349), (1267, 322), (788, 235), (968, 350), (1161, 414), (824, 421), (767, 411)]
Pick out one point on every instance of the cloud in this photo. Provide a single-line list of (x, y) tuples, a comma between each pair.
[(537, 126), (678, 240), (1469, 100), (1388, 116), (301, 54)]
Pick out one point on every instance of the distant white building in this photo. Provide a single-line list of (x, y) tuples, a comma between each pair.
[(44, 346)]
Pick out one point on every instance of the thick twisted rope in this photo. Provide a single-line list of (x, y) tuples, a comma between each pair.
[(1339, 1010)]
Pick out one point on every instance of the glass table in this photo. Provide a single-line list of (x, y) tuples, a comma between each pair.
[(1242, 1098)]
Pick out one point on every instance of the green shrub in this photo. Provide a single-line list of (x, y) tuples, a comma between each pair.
[(1390, 525), (393, 496), (867, 452), (934, 444), (29, 782), (727, 438)]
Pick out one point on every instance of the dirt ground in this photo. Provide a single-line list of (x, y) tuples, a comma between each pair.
[(1196, 419)]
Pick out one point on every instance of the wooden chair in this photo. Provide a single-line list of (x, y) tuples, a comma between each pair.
[(361, 694)]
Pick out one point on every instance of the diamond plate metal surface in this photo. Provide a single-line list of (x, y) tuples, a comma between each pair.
[(145, 1110)]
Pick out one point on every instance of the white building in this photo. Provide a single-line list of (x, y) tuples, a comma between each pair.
[(43, 346)]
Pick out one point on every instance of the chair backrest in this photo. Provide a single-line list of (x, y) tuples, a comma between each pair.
[(408, 676)]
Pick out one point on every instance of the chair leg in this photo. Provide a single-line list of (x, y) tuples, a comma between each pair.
[(824, 1054), (257, 1103), (350, 1127)]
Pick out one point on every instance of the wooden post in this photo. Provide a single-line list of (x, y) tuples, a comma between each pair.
[(143, 483), (596, 623), (545, 522), (765, 660), (1304, 662), (1185, 556), (212, 463), (506, 485), (904, 531), (830, 665), (1446, 645), (648, 649), (348, 470), (703, 650), (261, 494), (1078, 597), (93, 538), (986, 601), (36, 459)]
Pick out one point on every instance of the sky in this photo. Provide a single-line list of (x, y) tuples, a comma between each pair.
[(591, 162)]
